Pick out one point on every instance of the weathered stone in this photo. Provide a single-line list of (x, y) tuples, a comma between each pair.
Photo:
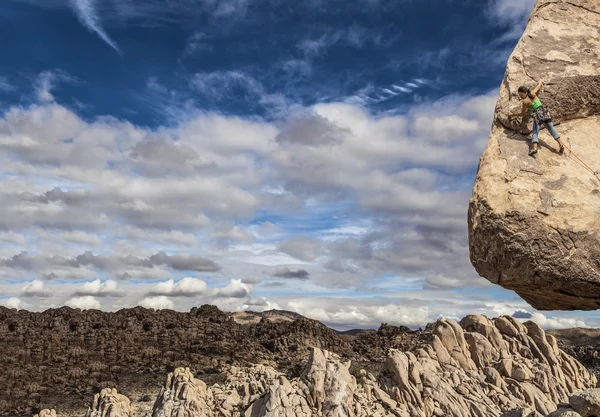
[(586, 403), (521, 412), (533, 223), (564, 412), (182, 394), (109, 403), (437, 378)]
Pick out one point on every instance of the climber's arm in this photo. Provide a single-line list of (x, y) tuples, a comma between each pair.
[(523, 112), (537, 87)]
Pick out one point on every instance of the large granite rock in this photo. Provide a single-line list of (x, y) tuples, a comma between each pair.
[(534, 223)]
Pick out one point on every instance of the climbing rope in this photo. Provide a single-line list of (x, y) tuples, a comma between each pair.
[(582, 163)]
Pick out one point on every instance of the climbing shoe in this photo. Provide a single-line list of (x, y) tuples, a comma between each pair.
[(561, 150), (533, 152)]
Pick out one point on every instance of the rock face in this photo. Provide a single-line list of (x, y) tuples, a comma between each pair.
[(582, 344), (478, 367), (534, 222)]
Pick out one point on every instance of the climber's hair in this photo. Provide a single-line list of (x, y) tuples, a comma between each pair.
[(526, 91)]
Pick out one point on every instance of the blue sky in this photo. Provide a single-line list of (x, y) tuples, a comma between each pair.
[(315, 157)]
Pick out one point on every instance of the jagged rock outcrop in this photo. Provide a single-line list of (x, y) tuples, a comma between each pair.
[(478, 367), (534, 222), (109, 403), (182, 395)]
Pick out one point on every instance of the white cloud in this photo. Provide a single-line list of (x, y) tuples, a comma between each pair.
[(158, 303), (349, 201), (513, 13), (402, 89), (85, 10), (235, 289), (99, 289), (85, 303), (187, 287), (35, 289), (556, 322), (13, 302), (341, 314), (47, 81)]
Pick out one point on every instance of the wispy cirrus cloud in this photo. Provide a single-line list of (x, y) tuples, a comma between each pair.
[(85, 10), (354, 36)]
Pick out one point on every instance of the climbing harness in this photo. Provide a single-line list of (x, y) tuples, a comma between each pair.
[(582, 163)]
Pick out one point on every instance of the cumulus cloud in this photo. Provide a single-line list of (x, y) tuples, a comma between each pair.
[(257, 301), (293, 274), (35, 289), (98, 288), (158, 303), (235, 289), (12, 302), (58, 266), (85, 303), (341, 314), (551, 323), (187, 287), (310, 129), (362, 201), (522, 314)]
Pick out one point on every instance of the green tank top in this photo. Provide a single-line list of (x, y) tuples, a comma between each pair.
[(535, 104)]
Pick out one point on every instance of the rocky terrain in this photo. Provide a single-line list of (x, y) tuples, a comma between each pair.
[(582, 344), (533, 222), (140, 362), (64, 356)]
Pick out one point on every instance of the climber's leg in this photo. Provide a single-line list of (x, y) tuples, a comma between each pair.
[(534, 139), (556, 136)]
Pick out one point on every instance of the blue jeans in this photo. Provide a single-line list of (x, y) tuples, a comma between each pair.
[(536, 131)]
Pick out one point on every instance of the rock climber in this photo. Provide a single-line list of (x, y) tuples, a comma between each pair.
[(541, 116)]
